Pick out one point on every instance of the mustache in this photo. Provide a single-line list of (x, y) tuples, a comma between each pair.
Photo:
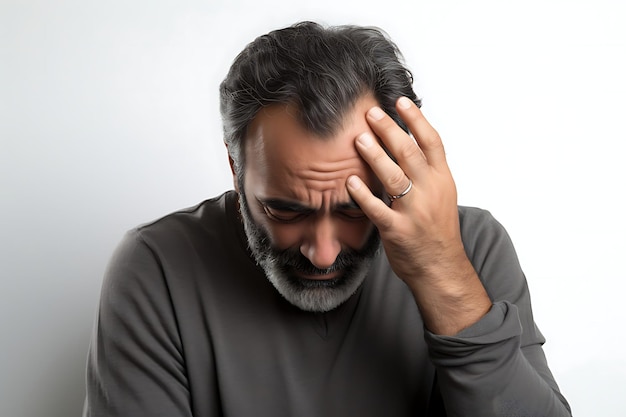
[(293, 259)]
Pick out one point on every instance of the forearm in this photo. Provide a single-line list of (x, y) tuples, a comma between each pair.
[(450, 296)]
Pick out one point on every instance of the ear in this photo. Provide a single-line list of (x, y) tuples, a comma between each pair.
[(232, 169)]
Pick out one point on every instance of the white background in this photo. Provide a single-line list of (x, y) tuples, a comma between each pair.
[(109, 118)]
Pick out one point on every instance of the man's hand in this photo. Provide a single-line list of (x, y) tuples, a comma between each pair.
[(420, 230)]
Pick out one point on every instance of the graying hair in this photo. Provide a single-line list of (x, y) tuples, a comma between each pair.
[(322, 71)]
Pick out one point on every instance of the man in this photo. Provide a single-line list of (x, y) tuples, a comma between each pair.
[(338, 279)]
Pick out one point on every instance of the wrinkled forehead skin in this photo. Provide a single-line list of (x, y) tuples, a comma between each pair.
[(285, 160)]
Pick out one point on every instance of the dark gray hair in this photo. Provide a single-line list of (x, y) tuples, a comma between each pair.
[(322, 71)]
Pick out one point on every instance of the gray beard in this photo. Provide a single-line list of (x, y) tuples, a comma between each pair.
[(308, 294)]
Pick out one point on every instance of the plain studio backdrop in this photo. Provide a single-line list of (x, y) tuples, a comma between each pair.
[(109, 118)]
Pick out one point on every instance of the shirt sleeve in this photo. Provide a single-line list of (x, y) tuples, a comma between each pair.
[(135, 364), (496, 367)]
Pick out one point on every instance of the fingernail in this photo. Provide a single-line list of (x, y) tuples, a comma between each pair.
[(404, 103), (366, 140), (376, 113), (354, 182)]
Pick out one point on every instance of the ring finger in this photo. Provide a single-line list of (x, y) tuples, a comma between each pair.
[(388, 172)]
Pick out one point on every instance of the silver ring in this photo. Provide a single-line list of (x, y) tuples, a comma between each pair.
[(403, 193)]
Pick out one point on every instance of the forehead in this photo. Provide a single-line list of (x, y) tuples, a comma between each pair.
[(284, 159)]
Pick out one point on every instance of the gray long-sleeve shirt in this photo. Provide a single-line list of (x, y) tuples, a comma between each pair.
[(188, 325)]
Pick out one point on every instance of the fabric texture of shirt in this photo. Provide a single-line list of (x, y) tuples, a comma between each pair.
[(188, 325)]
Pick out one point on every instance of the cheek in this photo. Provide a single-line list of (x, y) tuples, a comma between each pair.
[(284, 236), (351, 235)]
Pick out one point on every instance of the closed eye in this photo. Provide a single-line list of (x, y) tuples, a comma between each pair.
[(350, 211), (285, 216), (284, 211), (353, 214), (292, 212)]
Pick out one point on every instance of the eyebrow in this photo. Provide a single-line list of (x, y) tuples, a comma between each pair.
[(286, 205)]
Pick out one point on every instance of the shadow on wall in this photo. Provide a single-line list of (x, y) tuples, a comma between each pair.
[(59, 390)]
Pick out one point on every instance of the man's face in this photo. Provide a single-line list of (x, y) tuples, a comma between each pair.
[(314, 244)]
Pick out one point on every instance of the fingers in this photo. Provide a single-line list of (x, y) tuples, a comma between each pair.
[(429, 149), (373, 207), (426, 136), (418, 160), (391, 175)]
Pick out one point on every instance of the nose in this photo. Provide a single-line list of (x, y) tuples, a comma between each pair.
[(321, 245)]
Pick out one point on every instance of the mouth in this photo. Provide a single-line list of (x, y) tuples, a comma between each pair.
[(321, 276), (317, 276)]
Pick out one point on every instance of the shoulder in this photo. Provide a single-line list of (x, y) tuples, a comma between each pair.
[(181, 237), (471, 217), (479, 227), (185, 246), (202, 215), (212, 219), (486, 241)]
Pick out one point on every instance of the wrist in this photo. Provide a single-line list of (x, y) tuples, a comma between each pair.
[(450, 296)]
